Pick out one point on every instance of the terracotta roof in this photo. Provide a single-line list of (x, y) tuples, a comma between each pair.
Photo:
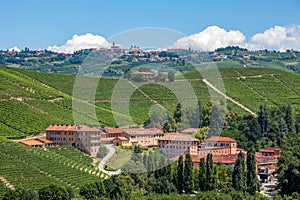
[(270, 149), (223, 159), (220, 139), (63, 127), (69, 127), (141, 131), (264, 159), (113, 130), (31, 142), (178, 137), (190, 130), (44, 140)]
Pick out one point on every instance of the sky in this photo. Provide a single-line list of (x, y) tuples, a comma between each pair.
[(48, 24)]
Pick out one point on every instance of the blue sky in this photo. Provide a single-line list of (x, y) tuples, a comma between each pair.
[(38, 24)]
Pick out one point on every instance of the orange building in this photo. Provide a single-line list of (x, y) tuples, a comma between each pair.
[(144, 137), (85, 138)]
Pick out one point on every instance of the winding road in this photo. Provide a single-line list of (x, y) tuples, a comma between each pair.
[(111, 152)]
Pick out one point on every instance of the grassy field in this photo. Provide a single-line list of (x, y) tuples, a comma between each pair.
[(31, 101), (121, 157)]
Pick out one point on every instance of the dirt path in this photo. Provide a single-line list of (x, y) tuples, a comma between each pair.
[(227, 97), (6, 183), (146, 95)]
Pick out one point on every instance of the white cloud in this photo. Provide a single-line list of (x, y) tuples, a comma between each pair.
[(276, 38), (81, 42), (211, 38), (16, 49)]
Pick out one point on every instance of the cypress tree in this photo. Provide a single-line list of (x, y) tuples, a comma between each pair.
[(210, 173), (238, 176), (251, 172), (188, 174), (202, 175), (180, 178), (177, 113)]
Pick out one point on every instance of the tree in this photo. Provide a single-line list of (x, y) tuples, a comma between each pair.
[(10, 195), (222, 178), (127, 74), (201, 134), (289, 118), (162, 185), (93, 190), (210, 173), (28, 195), (238, 175), (188, 174), (263, 118), (171, 76), (202, 175), (53, 192), (251, 172), (177, 113), (289, 166), (102, 151), (170, 124), (124, 186), (180, 176)]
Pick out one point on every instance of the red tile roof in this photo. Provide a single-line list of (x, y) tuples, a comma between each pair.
[(31, 142), (220, 139), (71, 128), (223, 159), (44, 140), (113, 130)]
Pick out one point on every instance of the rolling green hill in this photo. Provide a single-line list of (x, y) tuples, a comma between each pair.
[(30, 101)]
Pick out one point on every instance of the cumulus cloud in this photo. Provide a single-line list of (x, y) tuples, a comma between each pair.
[(211, 38), (81, 42), (16, 49), (276, 38)]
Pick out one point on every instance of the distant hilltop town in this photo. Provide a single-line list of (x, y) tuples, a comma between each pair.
[(122, 59)]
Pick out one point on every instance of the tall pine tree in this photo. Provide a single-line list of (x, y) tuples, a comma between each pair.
[(188, 174), (180, 177), (202, 175), (251, 172), (239, 175)]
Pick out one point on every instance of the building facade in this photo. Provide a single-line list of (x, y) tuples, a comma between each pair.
[(85, 138), (175, 144)]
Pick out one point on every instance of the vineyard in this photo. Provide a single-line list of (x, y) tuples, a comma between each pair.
[(33, 168), (31, 101)]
